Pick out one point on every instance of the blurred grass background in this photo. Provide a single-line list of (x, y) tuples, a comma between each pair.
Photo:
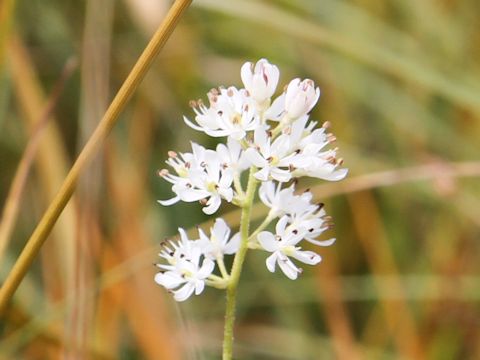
[(400, 84)]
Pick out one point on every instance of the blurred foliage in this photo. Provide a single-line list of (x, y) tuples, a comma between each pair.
[(400, 84)]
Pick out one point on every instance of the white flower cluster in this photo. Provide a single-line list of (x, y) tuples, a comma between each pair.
[(278, 143)]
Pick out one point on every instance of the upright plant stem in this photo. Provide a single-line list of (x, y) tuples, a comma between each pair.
[(237, 267), (51, 215)]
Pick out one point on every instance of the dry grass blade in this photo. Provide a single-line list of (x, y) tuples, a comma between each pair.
[(54, 210), (13, 200)]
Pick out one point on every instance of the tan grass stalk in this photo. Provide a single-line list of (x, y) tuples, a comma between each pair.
[(51, 215), (13, 200)]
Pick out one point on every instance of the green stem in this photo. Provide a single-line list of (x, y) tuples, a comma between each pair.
[(221, 266), (262, 226), (237, 267)]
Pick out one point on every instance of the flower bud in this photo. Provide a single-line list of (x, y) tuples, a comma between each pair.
[(260, 80), (300, 97)]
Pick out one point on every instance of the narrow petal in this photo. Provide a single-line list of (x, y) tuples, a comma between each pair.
[(184, 292), (267, 241), (171, 201), (288, 268), (212, 205), (307, 257), (270, 262), (321, 242)]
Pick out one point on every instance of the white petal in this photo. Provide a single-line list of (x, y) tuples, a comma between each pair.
[(199, 286), (184, 292), (232, 246), (288, 267), (276, 110), (169, 279), (307, 257), (270, 262), (212, 205), (171, 201), (207, 268), (267, 241), (322, 242)]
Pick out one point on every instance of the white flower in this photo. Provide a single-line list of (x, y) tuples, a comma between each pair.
[(219, 242), (200, 177), (312, 221), (232, 156), (283, 201), (232, 112), (311, 159), (283, 245), (260, 80), (187, 277), (271, 158), (183, 274)]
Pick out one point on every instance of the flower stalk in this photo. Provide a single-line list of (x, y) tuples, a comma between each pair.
[(276, 143), (237, 266)]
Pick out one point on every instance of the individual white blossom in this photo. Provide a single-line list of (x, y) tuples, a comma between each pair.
[(273, 159), (185, 272), (200, 177), (298, 99), (232, 112), (219, 243), (283, 246), (283, 201), (260, 80), (312, 159), (232, 156)]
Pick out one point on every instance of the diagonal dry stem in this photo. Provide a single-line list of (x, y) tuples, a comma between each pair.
[(51, 215), (12, 202)]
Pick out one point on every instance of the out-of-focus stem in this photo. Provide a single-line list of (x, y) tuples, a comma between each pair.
[(51, 215)]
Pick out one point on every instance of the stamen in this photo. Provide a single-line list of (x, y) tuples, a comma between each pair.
[(163, 172)]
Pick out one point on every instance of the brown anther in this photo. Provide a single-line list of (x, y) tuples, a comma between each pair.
[(340, 161), (306, 190), (270, 158), (219, 112), (326, 124), (163, 172), (172, 154), (291, 168), (295, 231), (320, 205), (188, 185), (269, 133), (230, 92), (203, 164), (203, 202), (192, 103), (287, 130), (278, 238)]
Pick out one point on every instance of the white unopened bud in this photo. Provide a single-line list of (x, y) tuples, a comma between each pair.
[(300, 97), (260, 80)]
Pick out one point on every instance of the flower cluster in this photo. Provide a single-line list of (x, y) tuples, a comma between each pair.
[(278, 143)]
